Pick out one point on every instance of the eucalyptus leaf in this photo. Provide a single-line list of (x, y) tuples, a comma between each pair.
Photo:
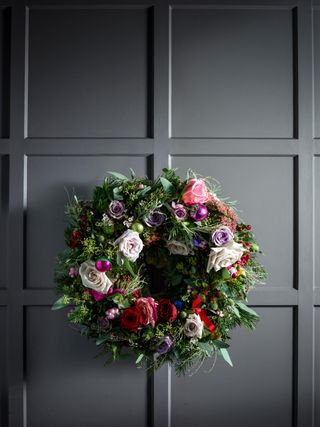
[(167, 186), (220, 344), (140, 357), (60, 303), (118, 175), (225, 354), (101, 340), (244, 307)]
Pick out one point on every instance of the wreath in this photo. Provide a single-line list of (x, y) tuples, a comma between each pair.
[(162, 267)]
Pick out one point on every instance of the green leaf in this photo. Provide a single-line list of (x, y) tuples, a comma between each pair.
[(140, 357), (244, 307), (132, 172), (144, 191), (62, 302), (220, 344), (225, 354), (235, 310), (101, 340), (167, 186), (118, 175), (116, 194), (128, 266)]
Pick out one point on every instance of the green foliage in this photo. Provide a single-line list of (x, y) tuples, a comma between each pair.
[(91, 234)]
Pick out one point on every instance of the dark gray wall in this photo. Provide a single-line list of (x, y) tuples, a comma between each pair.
[(230, 89)]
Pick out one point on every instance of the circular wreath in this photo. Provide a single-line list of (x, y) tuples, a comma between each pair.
[(160, 266)]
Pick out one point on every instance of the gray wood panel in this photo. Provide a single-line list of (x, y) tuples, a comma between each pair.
[(4, 187), (317, 225), (264, 187), (232, 72), (88, 72), (49, 178), (317, 367), (5, 29), (316, 80), (3, 364), (262, 374), (66, 386)]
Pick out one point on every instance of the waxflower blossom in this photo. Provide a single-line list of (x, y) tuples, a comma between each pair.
[(222, 236)]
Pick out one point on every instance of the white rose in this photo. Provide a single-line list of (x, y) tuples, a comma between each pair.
[(224, 256), (177, 248), (130, 246), (94, 279), (193, 327)]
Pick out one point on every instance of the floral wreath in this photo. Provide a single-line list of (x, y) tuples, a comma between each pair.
[(160, 266)]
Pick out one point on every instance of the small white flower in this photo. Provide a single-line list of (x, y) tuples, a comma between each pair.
[(94, 279), (130, 246), (225, 255), (193, 327), (176, 247)]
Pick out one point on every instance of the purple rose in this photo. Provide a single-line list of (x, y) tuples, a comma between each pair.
[(104, 322), (116, 209), (179, 211), (155, 219), (222, 236), (164, 345)]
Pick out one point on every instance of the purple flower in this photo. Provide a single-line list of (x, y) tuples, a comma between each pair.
[(199, 243), (104, 322), (73, 272), (155, 219), (222, 236), (164, 345), (179, 211), (116, 209), (98, 296)]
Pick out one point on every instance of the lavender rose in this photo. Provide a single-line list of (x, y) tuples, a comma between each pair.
[(164, 345), (155, 219), (179, 211), (116, 209), (222, 236)]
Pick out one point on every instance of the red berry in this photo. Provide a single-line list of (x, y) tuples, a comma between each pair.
[(248, 227)]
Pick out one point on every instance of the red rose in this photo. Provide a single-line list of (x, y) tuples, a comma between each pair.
[(166, 310), (131, 319), (75, 239)]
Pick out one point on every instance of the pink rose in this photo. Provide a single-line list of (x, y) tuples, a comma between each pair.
[(148, 310), (195, 192)]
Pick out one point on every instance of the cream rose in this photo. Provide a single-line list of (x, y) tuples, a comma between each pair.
[(177, 248), (224, 256), (130, 246), (94, 279), (193, 327)]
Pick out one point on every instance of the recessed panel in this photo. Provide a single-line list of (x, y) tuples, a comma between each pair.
[(49, 180), (232, 73), (88, 72), (3, 380), (4, 199), (5, 28), (67, 386), (316, 222), (317, 366), (255, 392), (316, 59), (264, 190)]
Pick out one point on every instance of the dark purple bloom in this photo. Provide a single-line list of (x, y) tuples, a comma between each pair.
[(104, 322), (98, 296), (222, 236), (164, 345), (179, 211), (116, 209), (199, 243), (155, 219)]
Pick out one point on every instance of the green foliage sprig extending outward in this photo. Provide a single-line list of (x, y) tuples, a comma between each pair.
[(162, 267)]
